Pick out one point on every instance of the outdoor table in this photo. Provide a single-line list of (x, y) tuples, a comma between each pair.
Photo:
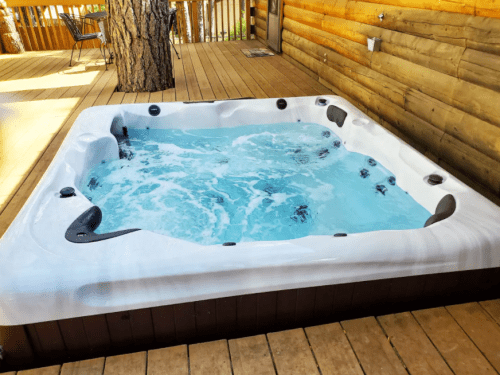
[(98, 17)]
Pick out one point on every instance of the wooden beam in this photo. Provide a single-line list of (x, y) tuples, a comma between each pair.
[(247, 19), (31, 3)]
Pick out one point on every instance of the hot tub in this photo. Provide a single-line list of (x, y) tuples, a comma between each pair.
[(67, 291)]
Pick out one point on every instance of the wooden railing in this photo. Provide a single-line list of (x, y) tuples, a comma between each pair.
[(41, 28), (211, 20)]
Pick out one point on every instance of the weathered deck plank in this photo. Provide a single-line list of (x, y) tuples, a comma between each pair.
[(291, 352), (51, 370), (412, 344), (116, 98), (332, 350), (38, 158), (275, 81), (210, 358), (168, 361), (254, 87), (454, 345), (372, 347), (88, 367), (252, 71), (191, 78), (480, 328), (215, 83), (127, 364), (142, 97), (181, 90), (203, 82), (493, 308), (226, 81), (235, 77), (250, 355), (156, 97)]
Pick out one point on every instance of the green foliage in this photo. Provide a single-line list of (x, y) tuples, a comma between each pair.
[(95, 8), (240, 25)]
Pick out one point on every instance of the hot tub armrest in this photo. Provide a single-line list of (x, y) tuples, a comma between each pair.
[(82, 229)]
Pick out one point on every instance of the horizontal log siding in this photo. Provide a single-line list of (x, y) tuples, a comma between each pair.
[(482, 8), (261, 20), (435, 82)]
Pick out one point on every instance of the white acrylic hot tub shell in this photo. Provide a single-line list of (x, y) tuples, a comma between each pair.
[(44, 277)]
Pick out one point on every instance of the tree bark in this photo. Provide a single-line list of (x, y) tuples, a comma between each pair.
[(201, 21), (9, 37), (139, 35)]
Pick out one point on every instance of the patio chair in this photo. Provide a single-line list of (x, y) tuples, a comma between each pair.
[(71, 24), (172, 23)]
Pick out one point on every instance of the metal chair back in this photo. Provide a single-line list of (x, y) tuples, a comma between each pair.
[(72, 28), (172, 20), (79, 37)]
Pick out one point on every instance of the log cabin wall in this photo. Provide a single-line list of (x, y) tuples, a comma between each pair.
[(261, 20), (435, 83)]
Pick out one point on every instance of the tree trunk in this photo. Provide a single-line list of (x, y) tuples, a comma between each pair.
[(139, 35), (201, 21), (9, 36)]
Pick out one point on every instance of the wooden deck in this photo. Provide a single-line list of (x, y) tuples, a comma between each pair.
[(40, 98), (460, 339)]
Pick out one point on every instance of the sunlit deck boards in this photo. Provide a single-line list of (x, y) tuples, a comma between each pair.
[(40, 97), (459, 339), (44, 97)]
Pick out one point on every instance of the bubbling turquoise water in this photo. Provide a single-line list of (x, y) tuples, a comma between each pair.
[(249, 183)]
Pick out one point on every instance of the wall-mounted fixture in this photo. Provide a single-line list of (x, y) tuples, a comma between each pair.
[(381, 16), (374, 44)]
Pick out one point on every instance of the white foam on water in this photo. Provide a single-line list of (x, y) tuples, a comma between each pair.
[(250, 183)]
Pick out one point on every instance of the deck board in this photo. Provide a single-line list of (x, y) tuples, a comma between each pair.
[(168, 361), (210, 358), (492, 308), (203, 82), (215, 83), (88, 367), (181, 90), (265, 63), (252, 71), (332, 350), (142, 97), (129, 98), (250, 355), (224, 77), (235, 77), (461, 354), (413, 345), (191, 78), (480, 328), (32, 166), (372, 347), (169, 95), (291, 352), (116, 98), (126, 364), (50, 370), (51, 72), (256, 90), (156, 97), (262, 68)]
